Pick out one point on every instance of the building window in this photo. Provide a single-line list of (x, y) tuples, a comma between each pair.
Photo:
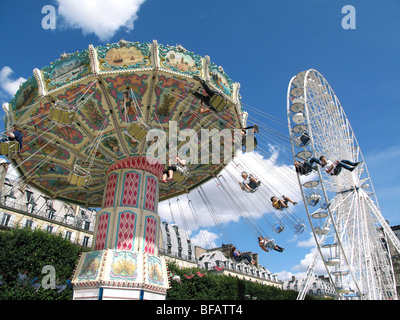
[(28, 223), (86, 225), (190, 254), (49, 229), (6, 219), (68, 235), (85, 241), (189, 250)]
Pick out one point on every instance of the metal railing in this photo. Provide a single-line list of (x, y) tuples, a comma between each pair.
[(67, 220)]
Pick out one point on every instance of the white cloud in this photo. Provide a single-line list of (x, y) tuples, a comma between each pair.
[(310, 242), (205, 239), (300, 270), (256, 209), (9, 86), (101, 17)]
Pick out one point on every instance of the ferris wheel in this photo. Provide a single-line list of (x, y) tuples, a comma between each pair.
[(349, 230)]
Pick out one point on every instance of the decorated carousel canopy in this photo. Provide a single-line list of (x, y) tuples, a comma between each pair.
[(88, 110)]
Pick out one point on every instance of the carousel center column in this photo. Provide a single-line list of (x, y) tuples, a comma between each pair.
[(124, 261)]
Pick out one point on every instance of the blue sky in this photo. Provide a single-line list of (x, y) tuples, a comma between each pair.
[(261, 44)]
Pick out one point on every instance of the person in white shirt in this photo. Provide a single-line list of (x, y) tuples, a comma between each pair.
[(250, 183), (334, 168), (268, 243)]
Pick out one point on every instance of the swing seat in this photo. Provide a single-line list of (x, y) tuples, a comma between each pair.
[(62, 115), (249, 148), (218, 102), (78, 180), (258, 183), (299, 228), (253, 185), (179, 177), (254, 190), (278, 228), (79, 177), (9, 147), (181, 174), (137, 131)]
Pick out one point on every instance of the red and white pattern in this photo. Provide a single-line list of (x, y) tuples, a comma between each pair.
[(150, 235), (102, 227), (151, 192), (151, 165), (126, 231), (131, 189), (111, 190)]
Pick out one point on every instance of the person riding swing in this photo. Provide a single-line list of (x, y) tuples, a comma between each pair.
[(13, 142), (280, 204), (168, 173), (214, 99), (249, 183), (245, 134), (334, 168), (268, 243)]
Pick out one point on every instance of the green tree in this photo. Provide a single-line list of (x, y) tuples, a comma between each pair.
[(24, 249)]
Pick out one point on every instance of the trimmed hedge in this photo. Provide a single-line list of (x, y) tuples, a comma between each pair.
[(24, 249), (220, 287)]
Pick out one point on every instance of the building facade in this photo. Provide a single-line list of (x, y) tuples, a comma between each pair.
[(22, 206), (395, 260), (319, 286), (178, 247), (219, 260)]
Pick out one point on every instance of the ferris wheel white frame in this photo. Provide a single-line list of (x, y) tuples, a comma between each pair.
[(345, 206)]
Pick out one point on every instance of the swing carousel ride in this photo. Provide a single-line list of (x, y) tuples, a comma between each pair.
[(91, 109), (85, 121)]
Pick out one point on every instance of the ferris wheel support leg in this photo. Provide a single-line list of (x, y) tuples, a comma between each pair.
[(124, 261)]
